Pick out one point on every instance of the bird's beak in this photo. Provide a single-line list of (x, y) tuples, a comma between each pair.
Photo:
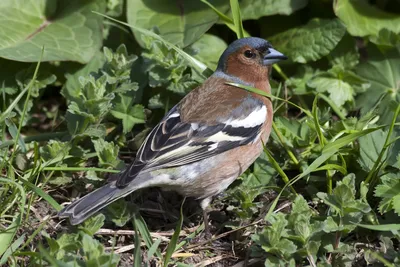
[(273, 57)]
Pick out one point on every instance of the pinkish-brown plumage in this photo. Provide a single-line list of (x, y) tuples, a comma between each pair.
[(207, 140)]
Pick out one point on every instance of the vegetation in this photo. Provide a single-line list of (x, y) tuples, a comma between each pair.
[(80, 89)]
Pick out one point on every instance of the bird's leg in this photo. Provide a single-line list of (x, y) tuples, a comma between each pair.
[(207, 232), (204, 205)]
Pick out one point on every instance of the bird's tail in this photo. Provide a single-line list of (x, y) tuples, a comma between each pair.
[(86, 206)]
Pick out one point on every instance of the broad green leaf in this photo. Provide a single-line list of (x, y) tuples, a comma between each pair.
[(363, 19), (370, 148), (311, 41), (179, 22), (68, 30), (262, 173), (208, 49), (255, 9), (339, 91), (382, 70), (386, 38)]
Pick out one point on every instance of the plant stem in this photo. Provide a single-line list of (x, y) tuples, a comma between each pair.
[(279, 170), (288, 151), (372, 173)]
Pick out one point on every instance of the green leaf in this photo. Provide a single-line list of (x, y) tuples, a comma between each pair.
[(119, 212), (7, 235), (382, 70), (363, 19), (128, 113), (55, 151), (180, 23), (68, 30), (389, 191), (370, 147), (93, 224), (345, 53), (13, 130), (386, 38), (272, 239), (72, 86), (311, 41), (339, 91), (251, 9), (299, 81), (107, 153), (294, 133), (167, 68), (12, 248), (94, 253), (198, 66), (208, 49), (262, 172)]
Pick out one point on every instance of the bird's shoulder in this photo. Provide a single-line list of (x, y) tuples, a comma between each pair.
[(215, 100)]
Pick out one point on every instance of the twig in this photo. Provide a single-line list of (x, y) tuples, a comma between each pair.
[(162, 235), (223, 235), (210, 261), (124, 249)]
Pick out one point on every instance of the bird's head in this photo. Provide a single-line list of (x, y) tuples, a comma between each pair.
[(249, 59)]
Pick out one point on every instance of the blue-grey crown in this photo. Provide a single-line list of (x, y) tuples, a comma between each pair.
[(255, 42)]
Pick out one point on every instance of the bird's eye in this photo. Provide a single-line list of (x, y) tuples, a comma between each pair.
[(249, 54)]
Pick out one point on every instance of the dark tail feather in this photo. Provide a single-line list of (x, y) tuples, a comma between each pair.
[(85, 207)]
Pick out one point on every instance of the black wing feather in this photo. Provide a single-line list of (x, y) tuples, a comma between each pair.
[(189, 143)]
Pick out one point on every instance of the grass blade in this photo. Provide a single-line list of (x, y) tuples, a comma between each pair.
[(174, 239), (278, 168), (375, 169), (145, 233), (38, 191), (137, 257), (237, 18), (262, 93), (380, 227), (154, 248)]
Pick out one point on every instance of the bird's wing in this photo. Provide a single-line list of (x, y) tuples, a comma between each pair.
[(174, 142)]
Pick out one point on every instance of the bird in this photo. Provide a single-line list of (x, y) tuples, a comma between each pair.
[(205, 141)]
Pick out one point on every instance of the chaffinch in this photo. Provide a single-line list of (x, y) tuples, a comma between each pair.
[(204, 142)]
